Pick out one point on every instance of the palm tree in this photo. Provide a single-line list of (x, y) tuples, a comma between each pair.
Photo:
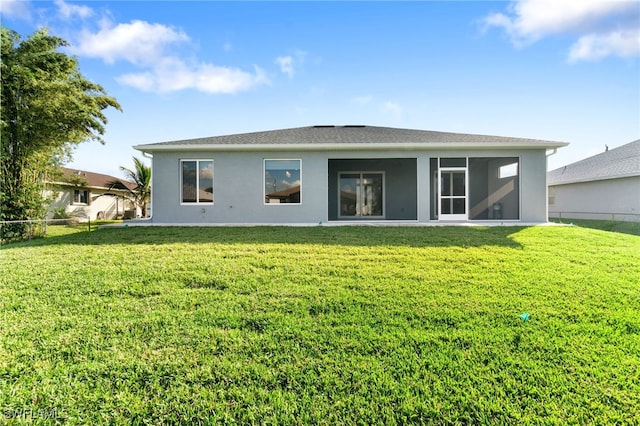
[(141, 177)]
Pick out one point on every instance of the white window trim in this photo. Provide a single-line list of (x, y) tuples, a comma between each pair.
[(452, 216), (264, 181), (384, 194), (197, 160)]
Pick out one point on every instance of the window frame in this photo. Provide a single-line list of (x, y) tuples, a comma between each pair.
[(264, 181), (361, 174), (451, 165), (76, 201), (181, 183)]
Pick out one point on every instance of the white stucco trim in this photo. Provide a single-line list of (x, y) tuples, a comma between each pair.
[(342, 146)]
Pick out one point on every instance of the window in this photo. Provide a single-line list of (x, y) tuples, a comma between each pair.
[(508, 170), (453, 162), (80, 196), (197, 181), (282, 184)]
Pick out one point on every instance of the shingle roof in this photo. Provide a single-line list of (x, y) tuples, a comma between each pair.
[(91, 179), (337, 137), (619, 162)]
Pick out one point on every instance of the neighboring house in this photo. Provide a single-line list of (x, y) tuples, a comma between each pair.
[(320, 174), (605, 186), (87, 195)]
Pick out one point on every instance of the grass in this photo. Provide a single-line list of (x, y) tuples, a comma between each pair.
[(324, 325), (632, 228)]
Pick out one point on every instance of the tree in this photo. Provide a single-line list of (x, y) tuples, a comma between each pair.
[(141, 176), (48, 107)]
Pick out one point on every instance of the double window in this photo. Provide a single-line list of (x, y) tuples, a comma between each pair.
[(282, 181), (197, 181)]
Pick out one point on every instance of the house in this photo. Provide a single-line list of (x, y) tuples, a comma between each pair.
[(349, 174), (89, 196), (605, 186)]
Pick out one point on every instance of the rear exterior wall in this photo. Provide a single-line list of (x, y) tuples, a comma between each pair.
[(238, 185)]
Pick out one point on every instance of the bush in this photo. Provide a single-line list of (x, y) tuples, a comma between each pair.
[(60, 213)]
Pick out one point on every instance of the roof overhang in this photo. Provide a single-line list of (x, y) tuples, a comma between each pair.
[(594, 179), (81, 186), (150, 148)]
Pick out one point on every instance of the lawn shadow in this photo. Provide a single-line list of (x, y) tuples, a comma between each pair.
[(363, 236)]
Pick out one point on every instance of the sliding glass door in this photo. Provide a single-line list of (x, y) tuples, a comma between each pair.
[(361, 195)]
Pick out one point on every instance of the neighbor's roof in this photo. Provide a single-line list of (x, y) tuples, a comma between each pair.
[(91, 179), (620, 162), (346, 137), (284, 192)]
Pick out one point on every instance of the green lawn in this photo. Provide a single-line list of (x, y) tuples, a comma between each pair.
[(632, 228), (323, 325)]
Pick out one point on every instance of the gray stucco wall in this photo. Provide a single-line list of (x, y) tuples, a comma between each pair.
[(533, 186), (611, 199), (238, 189), (239, 198)]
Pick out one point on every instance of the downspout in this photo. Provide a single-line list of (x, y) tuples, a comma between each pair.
[(150, 156), (546, 185)]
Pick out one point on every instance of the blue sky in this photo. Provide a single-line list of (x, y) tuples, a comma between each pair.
[(559, 70)]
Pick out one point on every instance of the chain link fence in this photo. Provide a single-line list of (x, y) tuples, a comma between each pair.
[(22, 230)]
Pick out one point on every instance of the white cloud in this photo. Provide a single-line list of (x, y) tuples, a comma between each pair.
[(290, 184), (603, 27), (393, 108), (173, 75), (16, 9), (69, 10), (288, 64), (597, 46), (207, 172), (388, 107), (138, 42), (147, 45)]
